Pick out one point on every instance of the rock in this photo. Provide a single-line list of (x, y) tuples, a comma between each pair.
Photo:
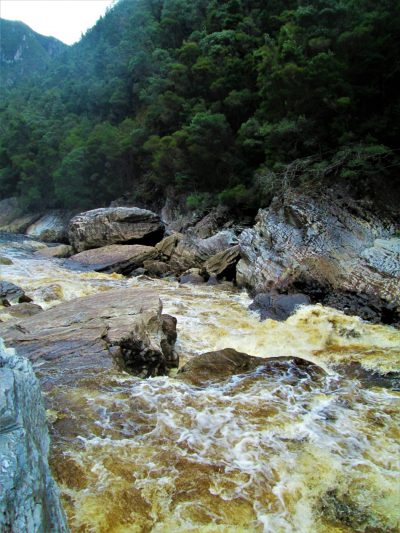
[(122, 258), (212, 280), (5, 261), (11, 294), (29, 497), (51, 227), (222, 364), (63, 250), (167, 246), (114, 225), (223, 264), (211, 223), (278, 306), (168, 343), (138, 272), (12, 217), (192, 252), (367, 307), (77, 339), (323, 238), (156, 268), (22, 310), (192, 276), (50, 293)]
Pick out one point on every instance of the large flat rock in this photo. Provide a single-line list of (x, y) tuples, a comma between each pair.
[(114, 225), (121, 258), (74, 340)]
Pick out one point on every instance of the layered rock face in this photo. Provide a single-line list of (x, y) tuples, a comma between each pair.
[(323, 240), (29, 497), (77, 339), (114, 225), (51, 227)]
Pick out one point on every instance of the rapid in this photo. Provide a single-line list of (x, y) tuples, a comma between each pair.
[(256, 453)]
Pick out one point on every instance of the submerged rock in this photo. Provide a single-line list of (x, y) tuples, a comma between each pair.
[(220, 365), (5, 261), (76, 339), (12, 294), (121, 258), (324, 239), (29, 497), (278, 306), (114, 225)]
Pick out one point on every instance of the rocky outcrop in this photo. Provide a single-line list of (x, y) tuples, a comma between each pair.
[(192, 252), (29, 497), (223, 263), (51, 227), (167, 246), (122, 258), (323, 240), (278, 306), (114, 225), (156, 268), (220, 365), (77, 339)]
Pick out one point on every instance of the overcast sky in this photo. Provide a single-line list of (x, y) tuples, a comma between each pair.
[(66, 20)]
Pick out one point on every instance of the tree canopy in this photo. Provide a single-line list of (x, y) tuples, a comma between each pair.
[(210, 97)]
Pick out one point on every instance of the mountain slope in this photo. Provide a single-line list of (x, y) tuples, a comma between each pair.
[(24, 52), (224, 101)]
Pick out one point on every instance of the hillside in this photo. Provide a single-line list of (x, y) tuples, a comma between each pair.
[(23, 52), (223, 101)]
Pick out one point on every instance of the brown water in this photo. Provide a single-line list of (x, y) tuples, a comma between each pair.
[(258, 453)]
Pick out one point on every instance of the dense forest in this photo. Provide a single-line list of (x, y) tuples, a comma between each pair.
[(223, 100)]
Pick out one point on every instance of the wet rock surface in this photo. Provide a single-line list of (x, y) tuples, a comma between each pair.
[(220, 365), (114, 225), (121, 258), (29, 497), (11, 294), (327, 239), (76, 339), (278, 306), (62, 250)]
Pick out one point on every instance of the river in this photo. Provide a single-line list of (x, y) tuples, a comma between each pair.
[(256, 453)]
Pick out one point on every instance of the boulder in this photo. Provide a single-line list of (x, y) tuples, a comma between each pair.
[(192, 252), (5, 261), (29, 497), (156, 268), (77, 339), (223, 264), (324, 238), (114, 225), (51, 227), (278, 306), (167, 246), (168, 342), (11, 294), (63, 250), (220, 365), (192, 276), (122, 258)]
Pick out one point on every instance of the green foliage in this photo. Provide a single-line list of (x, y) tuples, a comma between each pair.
[(233, 99)]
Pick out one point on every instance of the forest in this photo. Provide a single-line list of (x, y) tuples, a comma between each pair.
[(225, 101)]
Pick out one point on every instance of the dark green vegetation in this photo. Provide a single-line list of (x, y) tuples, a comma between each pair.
[(24, 52), (222, 100)]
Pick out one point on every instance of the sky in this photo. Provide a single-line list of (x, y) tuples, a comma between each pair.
[(66, 20)]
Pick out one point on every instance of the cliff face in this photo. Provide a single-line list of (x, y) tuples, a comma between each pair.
[(29, 497), (24, 52), (323, 239)]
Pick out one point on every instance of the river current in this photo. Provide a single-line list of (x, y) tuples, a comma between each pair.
[(256, 453)]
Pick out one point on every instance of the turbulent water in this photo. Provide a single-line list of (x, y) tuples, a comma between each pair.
[(256, 453)]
